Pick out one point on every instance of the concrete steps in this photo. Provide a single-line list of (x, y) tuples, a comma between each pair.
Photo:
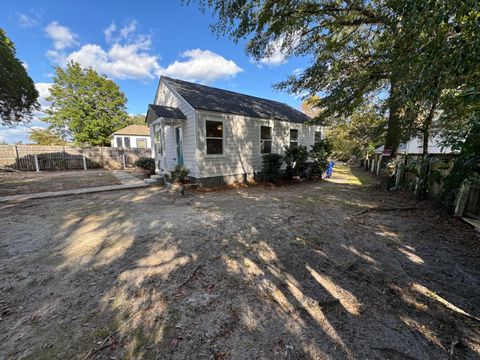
[(155, 180)]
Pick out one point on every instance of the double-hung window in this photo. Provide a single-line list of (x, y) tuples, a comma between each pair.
[(318, 136), (214, 137), (119, 141), (293, 137), (126, 140), (265, 139)]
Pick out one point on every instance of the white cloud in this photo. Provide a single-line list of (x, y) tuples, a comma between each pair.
[(62, 36), (27, 20), (277, 51), (129, 56), (25, 65), (297, 71), (44, 92), (202, 66), (128, 61)]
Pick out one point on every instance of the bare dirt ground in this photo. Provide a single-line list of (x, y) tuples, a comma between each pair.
[(293, 272), (15, 183)]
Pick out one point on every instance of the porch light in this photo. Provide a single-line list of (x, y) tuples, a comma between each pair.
[(219, 127)]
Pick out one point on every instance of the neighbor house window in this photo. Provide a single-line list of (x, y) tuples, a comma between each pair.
[(141, 143), (214, 137), (126, 140), (265, 139), (293, 137), (318, 136), (119, 142)]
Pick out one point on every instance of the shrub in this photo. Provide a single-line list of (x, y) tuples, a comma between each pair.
[(146, 163), (180, 173), (295, 157), (319, 154), (271, 164)]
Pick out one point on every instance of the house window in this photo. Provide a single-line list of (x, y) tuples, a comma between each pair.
[(119, 141), (126, 140), (214, 137), (265, 139), (318, 136), (293, 137), (157, 137), (141, 143)]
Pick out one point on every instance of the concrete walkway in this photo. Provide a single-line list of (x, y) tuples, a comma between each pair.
[(128, 182)]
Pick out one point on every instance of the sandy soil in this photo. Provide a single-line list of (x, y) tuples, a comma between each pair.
[(14, 183), (294, 272)]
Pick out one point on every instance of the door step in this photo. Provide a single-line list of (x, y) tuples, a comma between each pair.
[(155, 180)]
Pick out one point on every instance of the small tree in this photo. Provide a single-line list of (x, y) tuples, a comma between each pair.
[(45, 137), (85, 105), (295, 157), (271, 164), (319, 154)]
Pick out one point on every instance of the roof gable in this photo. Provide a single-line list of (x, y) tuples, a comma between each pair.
[(213, 99)]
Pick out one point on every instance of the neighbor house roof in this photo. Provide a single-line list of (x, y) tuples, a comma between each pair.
[(156, 111), (213, 99), (140, 130)]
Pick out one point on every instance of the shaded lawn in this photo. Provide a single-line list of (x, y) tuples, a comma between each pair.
[(260, 273), (33, 182)]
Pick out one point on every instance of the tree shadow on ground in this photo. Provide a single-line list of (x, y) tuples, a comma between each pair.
[(261, 273)]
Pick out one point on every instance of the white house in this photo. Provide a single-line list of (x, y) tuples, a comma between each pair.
[(220, 135), (132, 136)]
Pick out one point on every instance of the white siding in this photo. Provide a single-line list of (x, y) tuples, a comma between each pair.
[(167, 96), (241, 151)]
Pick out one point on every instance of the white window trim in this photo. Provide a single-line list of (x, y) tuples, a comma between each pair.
[(223, 137), (116, 141), (129, 140), (260, 137), (321, 136)]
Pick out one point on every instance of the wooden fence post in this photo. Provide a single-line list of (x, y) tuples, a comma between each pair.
[(37, 166), (17, 158), (124, 160)]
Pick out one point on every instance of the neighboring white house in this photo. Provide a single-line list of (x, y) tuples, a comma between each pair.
[(220, 135), (132, 136)]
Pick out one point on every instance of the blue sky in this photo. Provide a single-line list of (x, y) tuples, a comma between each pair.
[(133, 44)]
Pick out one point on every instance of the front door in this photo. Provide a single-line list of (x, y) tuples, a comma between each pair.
[(179, 144)]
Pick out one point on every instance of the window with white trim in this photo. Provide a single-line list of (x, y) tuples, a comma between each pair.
[(318, 136), (126, 140), (265, 140), (119, 141), (293, 137), (214, 137)]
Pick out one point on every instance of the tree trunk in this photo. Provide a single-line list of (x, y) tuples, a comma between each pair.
[(392, 140)]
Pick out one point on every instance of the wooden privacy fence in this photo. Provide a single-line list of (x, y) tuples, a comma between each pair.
[(29, 157)]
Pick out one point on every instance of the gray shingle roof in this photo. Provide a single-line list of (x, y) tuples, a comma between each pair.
[(156, 111), (219, 100)]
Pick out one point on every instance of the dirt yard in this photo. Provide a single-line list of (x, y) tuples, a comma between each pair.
[(311, 271), (14, 183)]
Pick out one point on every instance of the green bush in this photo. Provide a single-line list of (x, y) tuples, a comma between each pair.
[(295, 157), (180, 173), (146, 163), (271, 164), (319, 155)]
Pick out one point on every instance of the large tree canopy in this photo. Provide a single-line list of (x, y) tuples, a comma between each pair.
[(404, 54), (45, 137), (18, 96), (85, 106)]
